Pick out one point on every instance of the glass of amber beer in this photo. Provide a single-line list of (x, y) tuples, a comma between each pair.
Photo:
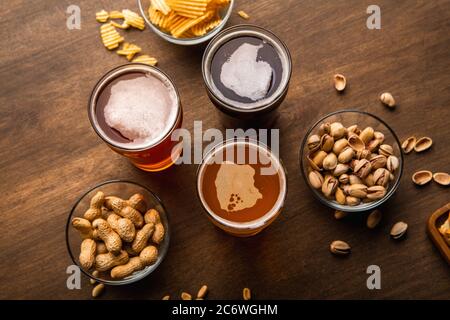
[(242, 186), (134, 109)]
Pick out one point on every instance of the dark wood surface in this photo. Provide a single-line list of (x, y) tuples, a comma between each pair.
[(50, 155)]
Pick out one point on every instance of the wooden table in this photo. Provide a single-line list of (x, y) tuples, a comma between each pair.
[(50, 155)]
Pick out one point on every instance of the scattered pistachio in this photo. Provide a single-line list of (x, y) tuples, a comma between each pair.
[(442, 178), (202, 292), (408, 145), (423, 144), (186, 296), (422, 177), (399, 229), (246, 294), (339, 82), (338, 214), (373, 219), (166, 297), (339, 247), (387, 99)]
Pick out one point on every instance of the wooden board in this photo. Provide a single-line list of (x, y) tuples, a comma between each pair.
[(434, 222), (50, 154)]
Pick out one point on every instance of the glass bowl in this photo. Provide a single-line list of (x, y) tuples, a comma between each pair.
[(224, 13), (123, 189), (363, 120)]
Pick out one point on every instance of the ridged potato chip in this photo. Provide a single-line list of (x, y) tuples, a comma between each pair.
[(188, 8), (243, 15), (129, 50), (110, 37), (102, 16), (133, 19), (146, 59), (116, 15), (124, 25), (161, 6)]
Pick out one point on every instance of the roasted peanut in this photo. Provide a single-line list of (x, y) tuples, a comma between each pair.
[(108, 235), (149, 255), (106, 261), (123, 209), (152, 216), (122, 271), (122, 226), (137, 201), (158, 234), (101, 247), (95, 208), (84, 227), (142, 237), (87, 253)]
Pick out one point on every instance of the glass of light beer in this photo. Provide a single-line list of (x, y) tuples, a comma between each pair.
[(242, 186), (134, 109)]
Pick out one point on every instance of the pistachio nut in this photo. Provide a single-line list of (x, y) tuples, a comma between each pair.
[(369, 181), (392, 163), (337, 130), (378, 136), (386, 150), (423, 144), (363, 154), (340, 248), (376, 192), (362, 168), (330, 161), (373, 219), (329, 186), (408, 145), (313, 142), (318, 158), (373, 145), (353, 129), (354, 179), (352, 201), (381, 177), (344, 178), (399, 230), (326, 142), (422, 177), (353, 163), (391, 177), (312, 163), (339, 145), (339, 82), (324, 128), (315, 179), (356, 143), (379, 161), (340, 169), (338, 214), (387, 99), (367, 134), (442, 178), (357, 190), (346, 155), (340, 196)]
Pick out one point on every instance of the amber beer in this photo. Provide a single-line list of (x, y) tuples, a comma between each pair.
[(134, 109), (242, 186)]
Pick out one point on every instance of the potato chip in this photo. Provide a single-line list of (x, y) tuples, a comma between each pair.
[(102, 16), (203, 28), (146, 59), (116, 15), (189, 8), (185, 25), (129, 50), (133, 19), (243, 15), (161, 6), (110, 37), (124, 25)]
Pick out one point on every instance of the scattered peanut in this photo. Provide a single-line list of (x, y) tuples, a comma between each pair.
[(167, 297), (95, 274), (202, 292), (97, 290), (186, 296)]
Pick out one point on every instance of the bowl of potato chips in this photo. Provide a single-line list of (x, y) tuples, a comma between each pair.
[(186, 22)]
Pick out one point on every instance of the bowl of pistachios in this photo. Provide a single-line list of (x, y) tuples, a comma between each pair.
[(351, 160)]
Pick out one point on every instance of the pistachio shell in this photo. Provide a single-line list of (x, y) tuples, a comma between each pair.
[(313, 142), (338, 214), (387, 99), (381, 177), (346, 155), (324, 128), (326, 143), (339, 247), (340, 169), (399, 229), (423, 144), (330, 161), (352, 201), (386, 150), (355, 142), (373, 219), (376, 192), (422, 177), (442, 178), (337, 130), (408, 145), (315, 179), (367, 134), (339, 145), (379, 161), (340, 196), (362, 168), (392, 163), (339, 82)]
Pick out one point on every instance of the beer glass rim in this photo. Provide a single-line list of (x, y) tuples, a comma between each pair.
[(261, 221), (246, 30), (110, 76)]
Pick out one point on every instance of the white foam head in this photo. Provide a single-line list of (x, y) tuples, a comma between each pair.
[(245, 75)]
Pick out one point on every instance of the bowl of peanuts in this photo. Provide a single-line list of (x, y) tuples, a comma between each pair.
[(118, 232), (186, 22), (351, 160)]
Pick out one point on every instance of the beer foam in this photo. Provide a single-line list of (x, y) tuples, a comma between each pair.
[(235, 187), (141, 109), (246, 76)]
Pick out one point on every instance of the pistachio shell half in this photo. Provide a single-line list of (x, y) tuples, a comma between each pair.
[(423, 144), (442, 178), (422, 177), (339, 82), (387, 99), (408, 145), (355, 142)]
